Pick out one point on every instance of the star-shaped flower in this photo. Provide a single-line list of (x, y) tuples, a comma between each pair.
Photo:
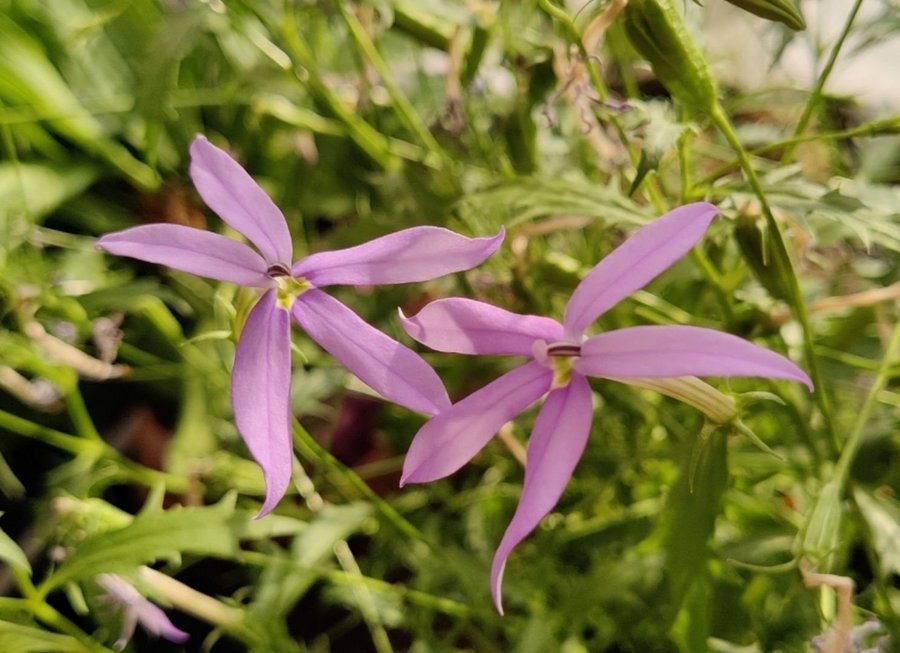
[(561, 360), (261, 379)]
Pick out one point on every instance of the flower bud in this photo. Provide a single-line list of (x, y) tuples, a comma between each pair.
[(781, 11), (658, 32)]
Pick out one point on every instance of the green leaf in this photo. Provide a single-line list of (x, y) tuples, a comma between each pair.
[(31, 191), (29, 79), (820, 536), (18, 638), (691, 513), (12, 554), (883, 517), (154, 534), (286, 580)]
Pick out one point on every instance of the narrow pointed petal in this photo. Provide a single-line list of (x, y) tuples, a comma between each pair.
[(261, 394), (558, 439), (190, 250), (449, 440), (229, 191), (155, 622), (391, 369), (410, 255), (466, 326), (635, 263), (664, 351)]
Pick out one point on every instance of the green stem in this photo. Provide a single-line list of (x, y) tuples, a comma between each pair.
[(95, 448), (885, 373), (71, 443), (78, 413), (369, 140), (316, 453), (798, 307), (404, 108), (816, 95), (885, 127)]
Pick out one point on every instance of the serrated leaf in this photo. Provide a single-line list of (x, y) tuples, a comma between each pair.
[(19, 638), (153, 535), (12, 554)]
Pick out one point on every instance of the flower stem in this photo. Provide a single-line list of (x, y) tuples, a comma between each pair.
[(369, 140), (720, 119), (402, 105), (54, 438), (316, 453), (885, 373), (816, 95)]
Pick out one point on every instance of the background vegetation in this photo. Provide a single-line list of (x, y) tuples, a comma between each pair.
[(118, 447)]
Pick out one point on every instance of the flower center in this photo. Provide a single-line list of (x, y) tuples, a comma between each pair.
[(277, 270), (557, 356), (287, 288)]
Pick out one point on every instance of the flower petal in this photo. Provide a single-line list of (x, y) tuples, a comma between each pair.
[(557, 441), (636, 262), (450, 439), (190, 250), (410, 255), (466, 326), (155, 622), (391, 369), (261, 394), (229, 191), (664, 351)]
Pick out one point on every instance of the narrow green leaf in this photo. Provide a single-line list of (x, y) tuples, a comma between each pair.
[(18, 638), (883, 518), (284, 581), (691, 511), (12, 554)]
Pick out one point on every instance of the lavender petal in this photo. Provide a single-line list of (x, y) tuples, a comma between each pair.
[(261, 394), (450, 439), (391, 369), (199, 252), (665, 351), (557, 442), (410, 255), (633, 264), (229, 191), (466, 326)]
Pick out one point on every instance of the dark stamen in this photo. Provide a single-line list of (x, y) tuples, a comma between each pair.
[(564, 349), (277, 270)]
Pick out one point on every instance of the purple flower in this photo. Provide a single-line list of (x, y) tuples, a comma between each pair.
[(260, 389), (561, 360), (137, 610)]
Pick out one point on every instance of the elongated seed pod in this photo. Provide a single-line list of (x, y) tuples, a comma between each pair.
[(658, 32), (780, 11)]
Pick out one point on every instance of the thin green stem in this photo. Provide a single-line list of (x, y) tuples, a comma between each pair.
[(798, 307), (341, 577), (885, 127), (71, 443), (885, 373), (78, 413), (369, 140), (816, 95), (404, 108), (95, 448), (313, 451)]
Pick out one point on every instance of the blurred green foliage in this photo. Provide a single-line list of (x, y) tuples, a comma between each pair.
[(118, 448)]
